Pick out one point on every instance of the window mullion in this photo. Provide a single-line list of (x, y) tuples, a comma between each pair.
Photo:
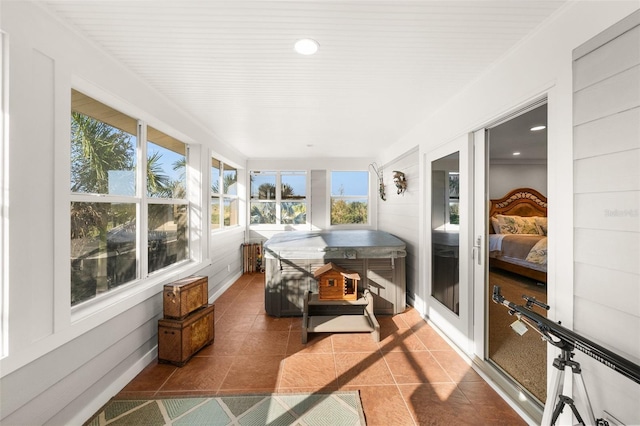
[(143, 208), (99, 198), (124, 225), (221, 196), (278, 198)]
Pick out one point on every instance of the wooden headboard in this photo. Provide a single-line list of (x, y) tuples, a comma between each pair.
[(520, 202)]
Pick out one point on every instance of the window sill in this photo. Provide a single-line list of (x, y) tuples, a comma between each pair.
[(226, 229), (280, 227), (352, 226), (119, 300), (94, 313)]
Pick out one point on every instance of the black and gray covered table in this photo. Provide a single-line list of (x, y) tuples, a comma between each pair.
[(291, 257)]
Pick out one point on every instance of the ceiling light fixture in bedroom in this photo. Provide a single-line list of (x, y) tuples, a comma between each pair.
[(516, 153), (537, 128), (306, 46)]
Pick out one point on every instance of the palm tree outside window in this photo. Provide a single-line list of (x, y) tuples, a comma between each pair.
[(105, 199), (278, 197), (224, 195)]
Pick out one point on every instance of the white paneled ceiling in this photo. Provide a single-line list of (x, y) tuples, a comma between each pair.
[(382, 66)]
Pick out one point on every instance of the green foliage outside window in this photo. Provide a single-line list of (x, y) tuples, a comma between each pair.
[(96, 149), (349, 197), (344, 212), (223, 200), (263, 213), (263, 206), (454, 213), (103, 234)]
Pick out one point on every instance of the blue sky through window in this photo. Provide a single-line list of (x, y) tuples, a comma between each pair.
[(297, 181), (167, 160), (350, 183), (260, 179)]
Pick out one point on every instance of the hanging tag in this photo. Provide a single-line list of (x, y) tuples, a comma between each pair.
[(519, 327)]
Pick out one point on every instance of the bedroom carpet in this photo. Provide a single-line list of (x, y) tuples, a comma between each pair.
[(342, 408), (522, 357)]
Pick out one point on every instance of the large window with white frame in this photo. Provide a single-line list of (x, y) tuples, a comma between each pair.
[(349, 197), (293, 197), (224, 195), (167, 204), (278, 197), (125, 195)]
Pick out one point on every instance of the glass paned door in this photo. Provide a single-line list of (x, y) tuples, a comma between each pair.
[(445, 231), (449, 273)]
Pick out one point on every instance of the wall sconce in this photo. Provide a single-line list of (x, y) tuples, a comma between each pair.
[(378, 172), (400, 181)]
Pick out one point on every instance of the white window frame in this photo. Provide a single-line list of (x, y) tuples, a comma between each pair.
[(300, 199), (452, 200), (278, 199), (368, 198), (147, 200), (145, 283), (222, 197)]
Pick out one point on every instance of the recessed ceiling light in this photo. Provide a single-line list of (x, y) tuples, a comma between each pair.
[(536, 128), (306, 46), (516, 153)]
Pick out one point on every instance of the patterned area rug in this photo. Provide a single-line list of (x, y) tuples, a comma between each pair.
[(308, 409)]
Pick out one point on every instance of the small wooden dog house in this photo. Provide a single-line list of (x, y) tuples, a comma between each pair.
[(336, 283)]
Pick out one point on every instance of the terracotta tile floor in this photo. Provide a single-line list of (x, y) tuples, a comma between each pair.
[(412, 377)]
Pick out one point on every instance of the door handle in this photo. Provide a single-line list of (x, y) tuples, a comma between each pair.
[(478, 246)]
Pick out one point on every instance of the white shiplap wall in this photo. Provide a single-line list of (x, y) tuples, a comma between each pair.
[(607, 205), (399, 214)]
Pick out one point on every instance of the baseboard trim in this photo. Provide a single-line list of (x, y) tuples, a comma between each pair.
[(123, 380), (116, 386), (221, 289)]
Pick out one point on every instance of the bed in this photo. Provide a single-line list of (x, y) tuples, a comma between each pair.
[(518, 233)]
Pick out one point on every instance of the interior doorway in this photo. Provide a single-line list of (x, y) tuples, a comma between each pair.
[(516, 171)]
